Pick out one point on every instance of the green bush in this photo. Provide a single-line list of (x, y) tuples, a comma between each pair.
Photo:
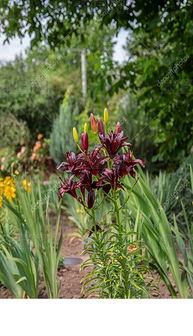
[(13, 132), (61, 139), (32, 91)]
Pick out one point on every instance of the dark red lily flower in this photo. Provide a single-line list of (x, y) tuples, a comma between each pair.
[(110, 176), (71, 163), (101, 127), (93, 162), (91, 199), (112, 142), (124, 164), (86, 181), (90, 169), (84, 142), (106, 188), (69, 188)]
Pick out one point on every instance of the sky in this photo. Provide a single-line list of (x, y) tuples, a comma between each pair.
[(16, 47)]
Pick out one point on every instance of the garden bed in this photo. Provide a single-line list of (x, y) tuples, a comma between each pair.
[(70, 277)]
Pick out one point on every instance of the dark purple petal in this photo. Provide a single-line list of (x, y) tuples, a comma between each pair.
[(101, 127), (124, 164), (106, 188), (69, 187), (91, 199), (84, 142), (112, 142)]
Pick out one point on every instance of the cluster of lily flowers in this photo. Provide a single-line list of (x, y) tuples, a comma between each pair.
[(102, 168), (8, 188)]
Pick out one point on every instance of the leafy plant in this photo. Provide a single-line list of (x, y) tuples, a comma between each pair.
[(22, 267), (31, 214), (173, 188), (96, 179), (153, 226), (185, 241), (167, 188), (9, 273), (19, 263), (119, 267)]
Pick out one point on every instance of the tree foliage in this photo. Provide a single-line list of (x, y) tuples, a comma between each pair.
[(160, 72), (31, 92), (160, 38), (33, 86)]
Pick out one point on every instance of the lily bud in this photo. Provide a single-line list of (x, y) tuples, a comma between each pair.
[(106, 116), (118, 128), (85, 128), (84, 142), (91, 199), (75, 134), (93, 123), (101, 127)]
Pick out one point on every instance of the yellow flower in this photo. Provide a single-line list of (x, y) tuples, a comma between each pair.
[(106, 116), (79, 211), (85, 128), (26, 185), (16, 172), (9, 188), (9, 193), (75, 134)]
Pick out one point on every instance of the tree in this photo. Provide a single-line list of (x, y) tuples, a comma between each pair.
[(162, 33), (33, 87), (54, 20), (160, 72)]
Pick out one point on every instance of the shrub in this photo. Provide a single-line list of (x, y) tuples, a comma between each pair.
[(14, 133), (60, 139)]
